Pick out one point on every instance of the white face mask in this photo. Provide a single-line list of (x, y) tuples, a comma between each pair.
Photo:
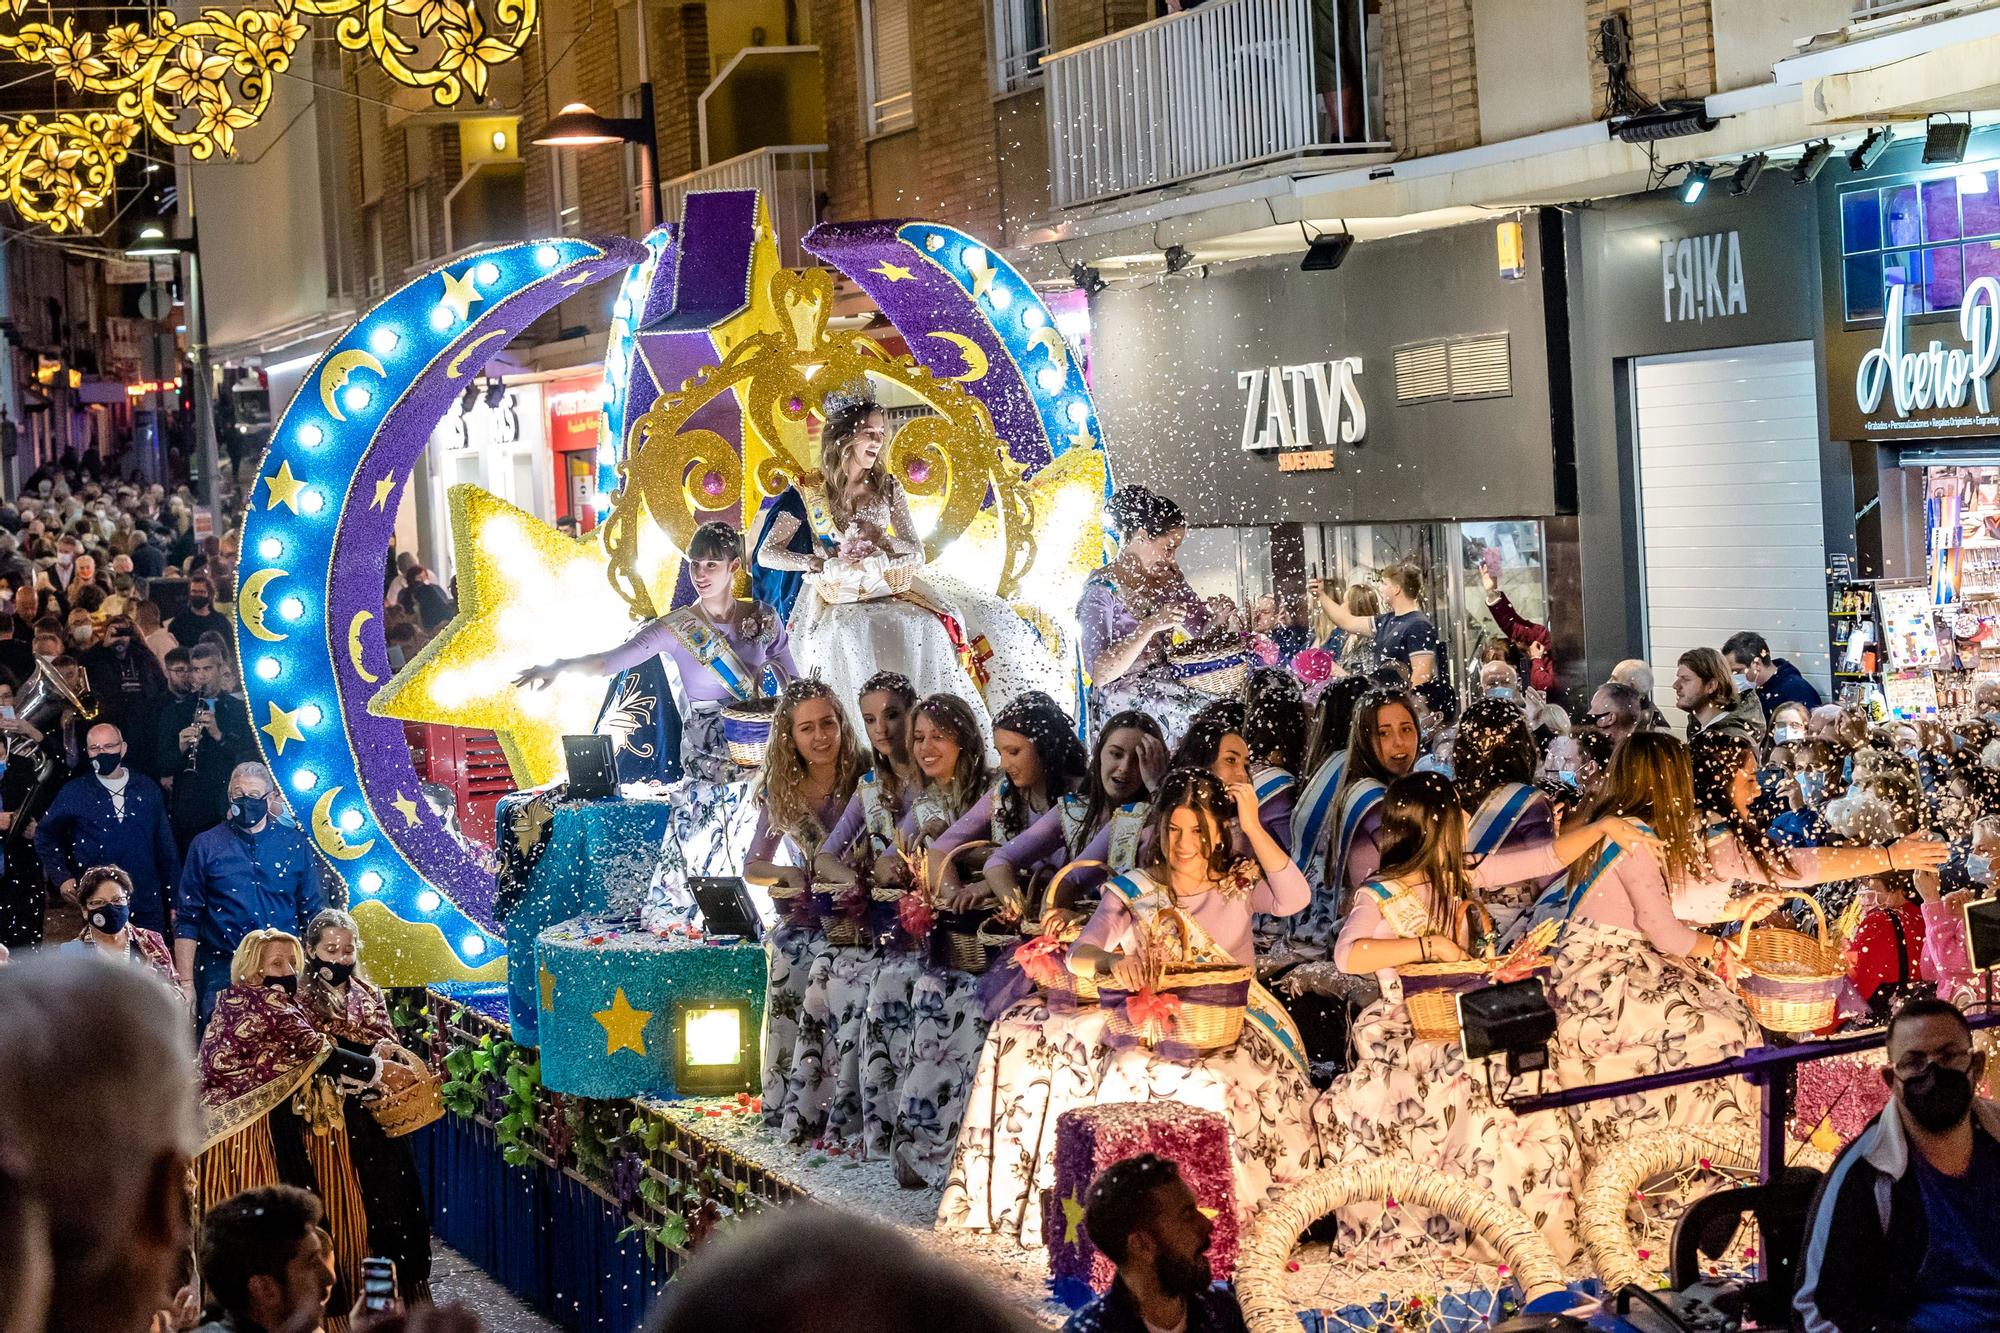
[(1741, 681), (1788, 735), (1979, 867)]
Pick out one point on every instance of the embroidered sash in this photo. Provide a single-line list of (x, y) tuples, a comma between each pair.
[(1262, 1008), (1407, 914), (1269, 780), (1309, 816), (1499, 814), (1355, 804), (712, 649), (1128, 822), (877, 819)]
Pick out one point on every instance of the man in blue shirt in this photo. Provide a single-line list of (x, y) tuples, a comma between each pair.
[(248, 873), (111, 816)]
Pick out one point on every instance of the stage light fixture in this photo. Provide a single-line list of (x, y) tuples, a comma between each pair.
[(1812, 161), (1087, 279), (1744, 178), (1326, 252), (1695, 184), (1512, 1018), (1945, 141), (1673, 120), (1178, 257), (1869, 151), (715, 1049)]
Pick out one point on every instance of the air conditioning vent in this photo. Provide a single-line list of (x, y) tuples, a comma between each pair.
[(1481, 367), (1423, 373)]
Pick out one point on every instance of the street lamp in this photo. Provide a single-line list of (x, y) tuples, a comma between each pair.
[(579, 125), (153, 243)]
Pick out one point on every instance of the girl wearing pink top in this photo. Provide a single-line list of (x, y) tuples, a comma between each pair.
[(1036, 1065)]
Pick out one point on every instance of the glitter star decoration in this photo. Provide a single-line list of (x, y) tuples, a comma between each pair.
[(527, 594), (624, 1027), (282, 488), (1072, 1218)]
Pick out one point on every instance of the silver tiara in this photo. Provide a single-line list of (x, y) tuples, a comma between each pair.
[(853, 394)]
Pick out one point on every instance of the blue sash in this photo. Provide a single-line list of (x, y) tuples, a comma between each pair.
[(1262, 1007), (1498, 816), (1360, 798), (1272, 781), (713, 650), (1309, 815)]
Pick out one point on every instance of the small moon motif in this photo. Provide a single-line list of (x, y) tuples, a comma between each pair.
[(455, 368), (339, 368), (327, 836), (975, 357), (250, 607), (354, 646)]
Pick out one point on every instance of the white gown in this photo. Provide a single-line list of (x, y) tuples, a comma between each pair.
[(847, 624)]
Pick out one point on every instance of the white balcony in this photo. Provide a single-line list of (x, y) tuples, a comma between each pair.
[(1223, 87), (791, 178)]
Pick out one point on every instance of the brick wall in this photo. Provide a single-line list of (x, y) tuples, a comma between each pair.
[(1673, 47), (1430, 87), (1074, 22), (836, 27)]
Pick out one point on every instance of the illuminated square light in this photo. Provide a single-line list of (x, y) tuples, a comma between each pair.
[(489, 273), (304, 780), (268, 668), (428, 901), (371, 882), (442, 318), (311, 436), (1049, 380), (714, 1036), (384, 341), (291, 608), (311, 715), (312, 501), (715, 1049), (270, 548), (547, 256)]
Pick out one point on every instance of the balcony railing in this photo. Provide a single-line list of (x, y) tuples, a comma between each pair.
[(791, 178), (1225, 86), (1877, 9)]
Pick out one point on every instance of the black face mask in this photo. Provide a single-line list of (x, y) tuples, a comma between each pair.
[(288, 983), (245, 811), (197, 602), (106, 764), (333, 974), (1938, 1098), (110, 918)]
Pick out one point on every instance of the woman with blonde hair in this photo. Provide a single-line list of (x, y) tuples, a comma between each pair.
[(271, 1086)]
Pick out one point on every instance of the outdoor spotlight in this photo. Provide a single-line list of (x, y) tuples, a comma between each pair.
[(1087, 279), (1671, 120), (1695, 184), (1513, 1018), (715, 1049), (1744, 178), (1326, 252), (1945, 141), (1869, 151), (1178, 257), (1812, 161)]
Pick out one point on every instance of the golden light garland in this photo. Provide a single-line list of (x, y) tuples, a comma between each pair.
[(58, 169), (195, 84), (1724, 1155)]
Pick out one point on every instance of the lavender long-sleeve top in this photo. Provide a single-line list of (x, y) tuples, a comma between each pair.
[(758, 638), (853, 820), (1104, 618), (1227, 920), (764, 843), (1633, 893), (1510, 865)]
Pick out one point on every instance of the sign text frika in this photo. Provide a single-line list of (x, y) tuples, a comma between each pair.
[(1278, 411)]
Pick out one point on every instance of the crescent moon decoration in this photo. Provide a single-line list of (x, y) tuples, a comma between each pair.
[(455, 370), (426, 905), (976, 364), (250, 608), (354, 628), (337, 371), (327, 837)]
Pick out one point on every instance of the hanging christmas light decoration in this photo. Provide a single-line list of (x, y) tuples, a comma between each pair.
[(57, 169)]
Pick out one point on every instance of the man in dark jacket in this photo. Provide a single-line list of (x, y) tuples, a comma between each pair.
[(1146, 1220), (201, 739), (1775, 680), (113, 816), (1905, 1233)]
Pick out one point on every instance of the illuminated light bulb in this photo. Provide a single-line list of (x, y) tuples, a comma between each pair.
[(268, 668), (291, 608), (311, 715), (972, 256), (371, 881), (1033, 318), (270, 548), (350, 821), (304, 780), (311, 436), (1079, 412), (312, 502), (384, 341), (999, 298), (357, 397), (489, 273), (933, 242), (473, 946), (547, 256), (428, 901), (442, 318), (1049, 380)]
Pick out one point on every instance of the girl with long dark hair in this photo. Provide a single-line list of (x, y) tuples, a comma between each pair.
[(1042, 772), (1384, 744), (1494, 762)]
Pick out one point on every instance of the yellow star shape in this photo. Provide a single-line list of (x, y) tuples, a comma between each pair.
[(1083, 439), (1072, 1218), (983, 273), (547, 979), (527, 596), (461, 293), (893, 272), (407, 808), (282, 488), (624, 1026), (282, 727), (382, 489)]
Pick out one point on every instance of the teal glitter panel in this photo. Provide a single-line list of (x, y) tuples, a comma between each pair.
[(591, 959)]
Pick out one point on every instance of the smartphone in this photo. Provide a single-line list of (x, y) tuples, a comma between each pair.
[(378, 1284)]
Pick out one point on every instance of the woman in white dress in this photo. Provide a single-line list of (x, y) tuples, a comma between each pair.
[(869, 605)]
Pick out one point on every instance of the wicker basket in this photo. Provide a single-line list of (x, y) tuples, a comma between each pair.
[(957, 940), (1211, 1000), (1071, 991), (1431, 991), (1791, 981), (418, 1100), (746, 730), (1212, 666)]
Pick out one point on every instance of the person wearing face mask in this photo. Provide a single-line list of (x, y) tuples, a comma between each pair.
[(105, 896), (129, 682), (348, 1008), (111, 816), (201, 617), (1904, 1234), (272, 1085), (247, 874), (198, 742)]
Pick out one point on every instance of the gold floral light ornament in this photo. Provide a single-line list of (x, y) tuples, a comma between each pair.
[(57, 170)]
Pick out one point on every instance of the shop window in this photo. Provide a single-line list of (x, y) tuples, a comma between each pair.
[(1933, 237), (1020, 40), (1940, 200), (885, 50), (1864, 286), (1979, 203), (1944, 278), (1982, 260)]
